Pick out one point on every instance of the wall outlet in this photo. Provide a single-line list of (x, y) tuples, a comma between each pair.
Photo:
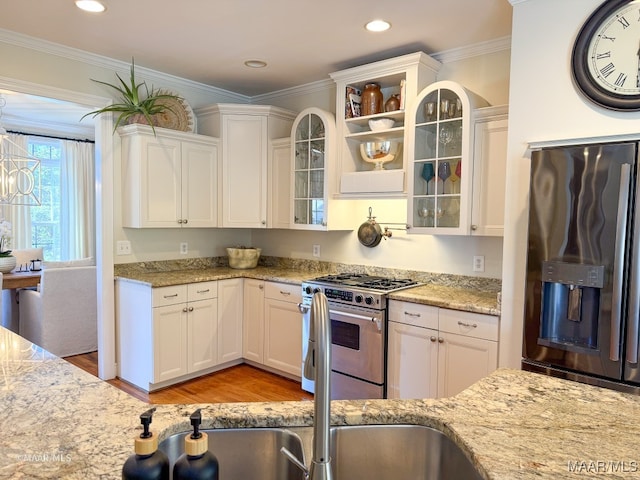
[(316, 250), (123, 247), (478, 263), (184, 248)]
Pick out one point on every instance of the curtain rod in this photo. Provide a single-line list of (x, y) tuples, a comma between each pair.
[(86, 140)]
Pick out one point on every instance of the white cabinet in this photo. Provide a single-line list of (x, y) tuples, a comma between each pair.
[(283, 327), (436, 352), (166, 334), (441, 160), (169, 180), (230, 309), (253, 321), (314, 175), (279, 184), (489, 177), (245, 132), (405, 75), (272, 326)]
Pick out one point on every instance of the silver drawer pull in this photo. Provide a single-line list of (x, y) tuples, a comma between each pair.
[(203, 291), (468, 325), (170, 296), (412, 314), (286, 294)]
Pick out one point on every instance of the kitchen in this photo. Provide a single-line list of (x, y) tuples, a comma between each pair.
[(554, 112)]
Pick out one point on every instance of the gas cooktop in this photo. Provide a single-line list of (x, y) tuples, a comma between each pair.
[(364, 281)]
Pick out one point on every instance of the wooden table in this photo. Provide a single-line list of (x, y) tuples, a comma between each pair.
[(20, 280)]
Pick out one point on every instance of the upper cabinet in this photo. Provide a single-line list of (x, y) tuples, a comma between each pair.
[(356, 90), (245, 132), (313, 167), (441, 168), (169, 180)]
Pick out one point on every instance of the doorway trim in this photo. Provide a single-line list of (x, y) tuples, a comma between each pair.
[(107, 366)]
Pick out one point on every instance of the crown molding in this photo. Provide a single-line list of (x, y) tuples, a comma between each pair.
[(516, 2), (475, 50), (297, 91), (44, 46)]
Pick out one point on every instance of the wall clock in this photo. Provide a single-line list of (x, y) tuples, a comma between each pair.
[(606, 56)]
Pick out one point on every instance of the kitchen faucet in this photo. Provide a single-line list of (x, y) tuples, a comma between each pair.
[(318, 368)]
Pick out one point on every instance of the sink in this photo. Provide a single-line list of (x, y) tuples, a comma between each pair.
[(371, 452), (400, 452), (246, 453)]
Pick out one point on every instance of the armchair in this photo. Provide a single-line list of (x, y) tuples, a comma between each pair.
[(62, 316)]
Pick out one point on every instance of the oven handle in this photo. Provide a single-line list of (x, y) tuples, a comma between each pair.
[(355, 316), (303, 308)]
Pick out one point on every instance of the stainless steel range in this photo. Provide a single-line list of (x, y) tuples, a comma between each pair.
[(358, 311)]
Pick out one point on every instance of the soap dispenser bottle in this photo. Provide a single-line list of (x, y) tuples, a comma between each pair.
[(148, 463), (197, 463)]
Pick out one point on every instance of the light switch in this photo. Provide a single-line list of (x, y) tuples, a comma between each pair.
[(123, 247)]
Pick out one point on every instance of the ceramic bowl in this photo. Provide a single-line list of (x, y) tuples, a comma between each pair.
[(243, 258), (377, 124)]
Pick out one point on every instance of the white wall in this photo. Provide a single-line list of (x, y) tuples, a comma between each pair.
[(544, 105)]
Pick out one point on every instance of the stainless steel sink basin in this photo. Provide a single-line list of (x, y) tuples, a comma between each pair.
[(367, 452), (400, 452), (246, 453)]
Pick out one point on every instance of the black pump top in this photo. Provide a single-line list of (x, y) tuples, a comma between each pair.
[(145, 419), (196, 420)]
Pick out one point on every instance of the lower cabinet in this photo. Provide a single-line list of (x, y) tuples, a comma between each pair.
[(169, 334), (272, 326), (436, 352)]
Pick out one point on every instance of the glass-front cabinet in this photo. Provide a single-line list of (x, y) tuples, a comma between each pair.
[(313, 171), (440, 157)]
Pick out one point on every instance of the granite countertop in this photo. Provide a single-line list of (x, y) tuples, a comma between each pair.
[(59, 422), (469, 294)]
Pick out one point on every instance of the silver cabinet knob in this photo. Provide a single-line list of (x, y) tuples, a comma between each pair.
[(474, 227), (185, 310), (440, 340), (179, 220), (433, 339), (185, 221)]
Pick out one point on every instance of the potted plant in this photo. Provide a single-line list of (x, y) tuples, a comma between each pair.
[(136, 105), (7, 261)]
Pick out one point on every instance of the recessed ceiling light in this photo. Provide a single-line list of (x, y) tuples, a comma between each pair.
[(377, 26), (255, 63), (92, 6)]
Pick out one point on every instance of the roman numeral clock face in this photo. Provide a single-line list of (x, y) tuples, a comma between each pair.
[(606, 56)]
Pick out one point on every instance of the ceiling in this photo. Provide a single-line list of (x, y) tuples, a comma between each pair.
[(208, 41)]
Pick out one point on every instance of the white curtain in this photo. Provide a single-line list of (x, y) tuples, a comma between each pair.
[(18, 215), (77, 205)]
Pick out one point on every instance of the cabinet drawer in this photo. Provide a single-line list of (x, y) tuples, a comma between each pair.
[(283, 291), (202, 290), (469, 324), (416, 314), (169, 295)]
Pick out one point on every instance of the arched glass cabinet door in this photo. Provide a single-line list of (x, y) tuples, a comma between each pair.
[(313, 140)]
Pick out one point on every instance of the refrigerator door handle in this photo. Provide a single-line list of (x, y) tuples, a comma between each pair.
[(633, 317), (618, 268)]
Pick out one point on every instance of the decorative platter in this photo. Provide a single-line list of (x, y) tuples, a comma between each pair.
[(178, 116)]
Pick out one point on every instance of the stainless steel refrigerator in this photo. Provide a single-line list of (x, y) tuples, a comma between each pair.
[(582, 300)]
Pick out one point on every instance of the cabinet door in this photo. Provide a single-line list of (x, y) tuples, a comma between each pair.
[(160, 182), (489, 178), (244, 171), (202, 334), (230, 300), (199, 185), (463, 361), (282, 336), (279, 198), (169, 342), (253, 320), (412, 365)]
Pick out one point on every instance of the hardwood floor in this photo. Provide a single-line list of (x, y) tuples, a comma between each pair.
[(242, 383)]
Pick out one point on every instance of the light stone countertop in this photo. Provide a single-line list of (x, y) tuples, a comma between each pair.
[(58, 422), (448, 291)]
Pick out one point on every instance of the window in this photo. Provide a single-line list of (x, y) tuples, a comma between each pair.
[(45, 219)]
